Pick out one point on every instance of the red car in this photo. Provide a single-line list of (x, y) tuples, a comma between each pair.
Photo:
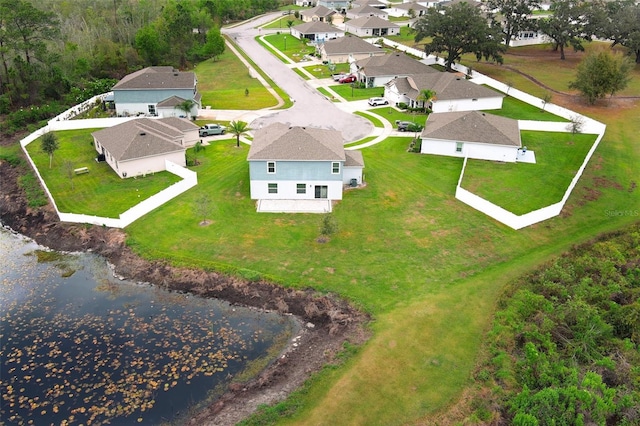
[(348, 79)]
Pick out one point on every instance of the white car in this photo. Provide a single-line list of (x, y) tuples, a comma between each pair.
[(378, 101)]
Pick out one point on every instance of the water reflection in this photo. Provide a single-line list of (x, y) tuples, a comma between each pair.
[(79, 347)]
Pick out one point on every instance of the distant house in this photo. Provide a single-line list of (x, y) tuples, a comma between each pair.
[(318, 14), (140, 93), (452, 92), (373, 3), (371, 26), (298, 163), (472, 134), (346, 48), (366, 11), (305, 3), (316, 31), (141, 146), (339, 5), (376, 71), (403, 9)]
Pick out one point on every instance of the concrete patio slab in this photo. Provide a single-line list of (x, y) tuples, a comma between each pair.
[(293, 206)]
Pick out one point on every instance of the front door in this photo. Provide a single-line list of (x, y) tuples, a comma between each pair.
[(322, 191)]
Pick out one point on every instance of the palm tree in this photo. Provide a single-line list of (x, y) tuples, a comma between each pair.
[(238, 128), (425, 97), (186, 106)]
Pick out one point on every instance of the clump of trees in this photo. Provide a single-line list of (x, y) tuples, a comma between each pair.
[(564, 347)]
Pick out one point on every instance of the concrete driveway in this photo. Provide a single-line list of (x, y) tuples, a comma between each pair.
[(311, 108)]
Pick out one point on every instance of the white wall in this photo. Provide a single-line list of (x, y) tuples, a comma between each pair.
[(467, 104), (287, 190), (478, 151), (349, 173), (147, 165)]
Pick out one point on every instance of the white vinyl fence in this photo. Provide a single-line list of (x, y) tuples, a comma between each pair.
[(588, 126), (62, 122)]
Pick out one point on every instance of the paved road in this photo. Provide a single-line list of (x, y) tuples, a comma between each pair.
[(310, 108)]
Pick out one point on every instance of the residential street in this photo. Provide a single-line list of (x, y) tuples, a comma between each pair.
[(311, 108)]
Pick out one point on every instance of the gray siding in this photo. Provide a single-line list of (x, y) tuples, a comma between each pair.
[(295, 170)]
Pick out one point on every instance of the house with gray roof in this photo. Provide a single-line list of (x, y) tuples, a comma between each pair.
[(366, 11), (139, 93), (301, 163), (403, 9), (472, 134), (339, 5), (316, 31), (142, 146), (371, 26), (319, 14), (376, 71), (373, 3), (343, 49), (453, 92)]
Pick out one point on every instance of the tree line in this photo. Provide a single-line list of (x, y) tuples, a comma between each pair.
[(55, 53)]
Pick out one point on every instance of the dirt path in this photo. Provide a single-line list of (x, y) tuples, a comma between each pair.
[(327, 322)]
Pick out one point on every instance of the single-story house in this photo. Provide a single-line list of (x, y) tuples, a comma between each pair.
[(141, 146), (366, 10), (342, 49), (403, 9), (318, 14), (376, 71), (373, 3), (339, 5), (139, 93), (301, 163), (453, 92), (305, 3), (316, 31), (371, 26), (472, 134)]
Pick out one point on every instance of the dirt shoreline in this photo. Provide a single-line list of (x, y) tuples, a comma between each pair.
[(327, 321)]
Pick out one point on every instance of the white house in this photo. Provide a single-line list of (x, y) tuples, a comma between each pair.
[(141, 146), (316, 31), (472, 134), (403, 9), (453, 92), (139, 93), (339, 5), (371, 26), (305, 3), (301, 163), (366, 11), (376, 71), (318, 14)]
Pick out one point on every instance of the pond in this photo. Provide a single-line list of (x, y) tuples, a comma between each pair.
[(79, 346)]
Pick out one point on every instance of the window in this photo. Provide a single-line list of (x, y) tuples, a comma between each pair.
[(152, 110), (458, 146), (273, 188), (301, 188), (271, 167), (335, 168)]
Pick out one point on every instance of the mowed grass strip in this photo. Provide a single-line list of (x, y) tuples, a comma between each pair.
[(518, 110), (227, 89), (355, 93), (292, 47), (522, 187), (100, 192)]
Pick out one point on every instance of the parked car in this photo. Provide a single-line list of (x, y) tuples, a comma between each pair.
[(212, 129), (378, 101), (408, 126), (337, 77), (348, 79)]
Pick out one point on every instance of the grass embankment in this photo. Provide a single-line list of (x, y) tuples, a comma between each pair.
[(87, 193)]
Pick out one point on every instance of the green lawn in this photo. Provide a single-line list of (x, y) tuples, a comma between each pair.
[(374, 120), (521, 187), (283, 23), (292, 47), (327, 94), (322, 71), (356, 94), (518, 110), (227, 89), (87, 193)]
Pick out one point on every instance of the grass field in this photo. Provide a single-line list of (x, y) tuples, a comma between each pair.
[(518, 110), (86, 193), (292, 47), (356, 94)]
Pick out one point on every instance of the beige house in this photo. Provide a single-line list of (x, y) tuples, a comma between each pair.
[(321, 14), (142, 146), (316, 31), (347, 48), (371, 26), (376, 71), (366, 10)]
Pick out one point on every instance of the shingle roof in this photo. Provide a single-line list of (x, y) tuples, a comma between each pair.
[(349, 44), (316, 27), (157, 78), (365, 9), (354, 159), (170, 102), (317, 11), (447, 86), (472, 126), (394, 64), (281, 142), (143, 137), (371, 22), (411, 5), (375, 3)]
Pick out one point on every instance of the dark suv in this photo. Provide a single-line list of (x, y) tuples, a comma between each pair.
[(408, 126)]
